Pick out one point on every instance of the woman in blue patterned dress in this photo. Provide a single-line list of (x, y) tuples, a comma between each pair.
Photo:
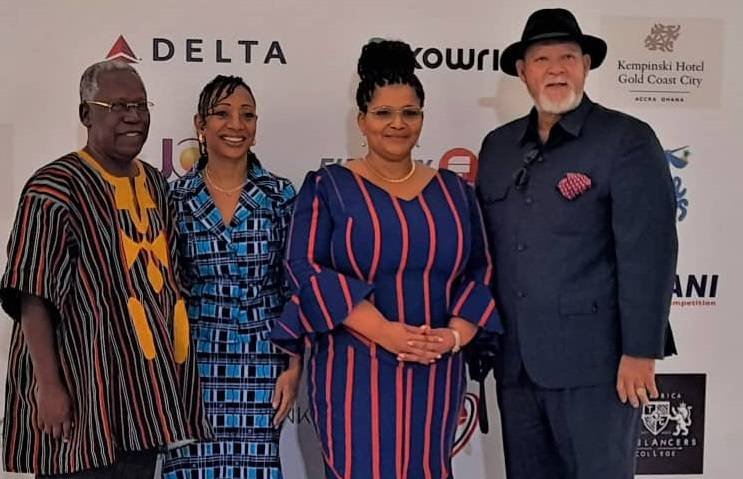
[(232, 220), (391, 278)]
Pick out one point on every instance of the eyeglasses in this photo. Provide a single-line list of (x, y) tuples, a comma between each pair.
[(386, 114), (121, 107), (521, 176)]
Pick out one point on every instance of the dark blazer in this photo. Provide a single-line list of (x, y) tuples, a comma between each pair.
[(579, 282)]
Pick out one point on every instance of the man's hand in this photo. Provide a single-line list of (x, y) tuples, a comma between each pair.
[(54, 414), (636, 380)]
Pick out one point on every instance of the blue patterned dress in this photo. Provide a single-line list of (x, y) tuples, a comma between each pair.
[(236, 291)]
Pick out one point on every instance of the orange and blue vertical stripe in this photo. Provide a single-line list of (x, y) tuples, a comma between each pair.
[(420, 261)]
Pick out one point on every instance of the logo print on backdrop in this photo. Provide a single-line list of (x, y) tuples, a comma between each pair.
[(457, 58), (655, 416), (662, 37), (658, 414), (188, 155), (340, 160), (462, 162), (695, 290), (467, 422), (672, 432), (122, 51), (672, 62), (453, 58), (299, 414), (165, 49), (679, 159)]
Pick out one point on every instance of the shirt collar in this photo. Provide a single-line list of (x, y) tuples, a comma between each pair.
[(571, 122)]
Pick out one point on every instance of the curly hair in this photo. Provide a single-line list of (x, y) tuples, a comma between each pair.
[(382, 63)]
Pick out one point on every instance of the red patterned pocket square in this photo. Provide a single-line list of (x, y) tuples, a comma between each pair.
[(574, 185)]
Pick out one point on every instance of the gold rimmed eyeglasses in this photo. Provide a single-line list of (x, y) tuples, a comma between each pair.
[(408, 114), (121, 107)]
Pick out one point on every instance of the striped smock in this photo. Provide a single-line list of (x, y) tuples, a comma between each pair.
[(101, 251)]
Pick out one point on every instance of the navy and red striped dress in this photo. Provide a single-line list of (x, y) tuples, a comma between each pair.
[(420, 261)]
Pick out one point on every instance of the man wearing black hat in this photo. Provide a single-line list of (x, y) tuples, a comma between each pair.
[(579, 206)]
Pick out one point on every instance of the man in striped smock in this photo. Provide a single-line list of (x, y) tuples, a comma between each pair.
[(100, 375)]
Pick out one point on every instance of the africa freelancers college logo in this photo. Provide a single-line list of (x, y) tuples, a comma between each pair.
[(658, 414), (672, 432)]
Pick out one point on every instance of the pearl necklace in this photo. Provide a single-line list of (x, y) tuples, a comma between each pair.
[(390, 180)]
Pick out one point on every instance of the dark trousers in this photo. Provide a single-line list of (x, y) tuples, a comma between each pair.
[(575, 433), (129, 465)]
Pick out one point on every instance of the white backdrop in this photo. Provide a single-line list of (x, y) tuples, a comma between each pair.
[(300, 58)]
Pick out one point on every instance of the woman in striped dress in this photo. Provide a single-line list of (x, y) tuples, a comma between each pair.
[(390, 273), (232, 219)]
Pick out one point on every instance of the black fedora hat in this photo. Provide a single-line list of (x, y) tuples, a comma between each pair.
[(552, 24)]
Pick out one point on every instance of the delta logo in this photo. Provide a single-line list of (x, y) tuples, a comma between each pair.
[(201, 50), (121, 50)]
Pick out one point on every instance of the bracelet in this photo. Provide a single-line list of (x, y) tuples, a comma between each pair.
[(457, 341)]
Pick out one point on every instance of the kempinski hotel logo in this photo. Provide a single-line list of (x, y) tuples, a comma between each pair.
[(663, 62)]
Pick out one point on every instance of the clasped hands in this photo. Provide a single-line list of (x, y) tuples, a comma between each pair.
[(423, 344)]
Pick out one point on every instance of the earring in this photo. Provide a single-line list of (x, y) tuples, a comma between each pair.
[(202, 144), (363, 143), (417, 145)]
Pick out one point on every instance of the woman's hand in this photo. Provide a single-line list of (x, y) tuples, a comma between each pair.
[(466, 330), (406, 342), (445, 341), (285, 392), (410, 343)]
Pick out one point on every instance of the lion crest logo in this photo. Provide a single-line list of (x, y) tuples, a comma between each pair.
[(681, 415)]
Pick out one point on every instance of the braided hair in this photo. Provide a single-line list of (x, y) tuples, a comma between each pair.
[(382, 63), (214, 92)]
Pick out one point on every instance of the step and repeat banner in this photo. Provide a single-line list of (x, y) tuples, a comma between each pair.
[(676, 65)]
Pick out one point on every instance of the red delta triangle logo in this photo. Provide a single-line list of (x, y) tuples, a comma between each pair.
[(122, 51)]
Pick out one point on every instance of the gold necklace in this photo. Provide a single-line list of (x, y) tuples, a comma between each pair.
[(228, 192), (391, 180)]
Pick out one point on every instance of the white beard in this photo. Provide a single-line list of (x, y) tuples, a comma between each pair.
[(571, 102)]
